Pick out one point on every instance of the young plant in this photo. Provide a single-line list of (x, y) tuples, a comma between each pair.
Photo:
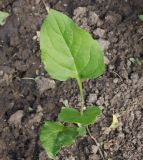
[(67, 51), (3, 16), (141, 17)]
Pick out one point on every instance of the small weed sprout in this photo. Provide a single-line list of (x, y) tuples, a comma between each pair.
[(141, 17), (3, 16)]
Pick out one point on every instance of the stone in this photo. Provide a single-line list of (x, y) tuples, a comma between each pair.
[(104, 44), (15, 119), (92, 98), (99, 32), (106, 60), (44, 84)]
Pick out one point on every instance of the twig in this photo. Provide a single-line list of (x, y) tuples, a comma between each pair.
[(117, 75), (46, 6), (28, 78), (94, 139)]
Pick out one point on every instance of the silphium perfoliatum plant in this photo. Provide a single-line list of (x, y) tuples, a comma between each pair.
[(68, 52)]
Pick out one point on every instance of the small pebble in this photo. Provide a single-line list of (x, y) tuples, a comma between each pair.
[(116, 80), (92, 98), (94, 149), (15, 119), (99, 32), (1, 73), (44, 84), (104, 44), (106, 60)]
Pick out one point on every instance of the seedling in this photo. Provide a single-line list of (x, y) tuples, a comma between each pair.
[(141, 17), (67, 51), (3, 16)]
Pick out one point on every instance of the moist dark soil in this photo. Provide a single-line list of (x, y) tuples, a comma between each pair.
[(25, 103)]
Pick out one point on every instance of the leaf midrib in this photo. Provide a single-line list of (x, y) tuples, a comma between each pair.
[(77, 75)]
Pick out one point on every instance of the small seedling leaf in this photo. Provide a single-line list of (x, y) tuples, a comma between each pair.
[(115, 122), (72, 115), (141, 17), (67, 51), (3, 16), (54, 136)]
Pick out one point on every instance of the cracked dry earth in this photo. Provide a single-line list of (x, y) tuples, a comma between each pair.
[(26, 103)]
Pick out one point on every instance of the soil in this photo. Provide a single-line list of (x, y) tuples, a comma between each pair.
[(26, 103)]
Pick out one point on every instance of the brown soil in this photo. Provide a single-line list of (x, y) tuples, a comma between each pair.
[(26, 103)]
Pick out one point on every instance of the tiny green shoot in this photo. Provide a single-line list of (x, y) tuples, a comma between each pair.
[(141, 17), (67, 51), (3, 16)]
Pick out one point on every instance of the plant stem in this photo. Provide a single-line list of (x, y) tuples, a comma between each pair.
[(81, 95)]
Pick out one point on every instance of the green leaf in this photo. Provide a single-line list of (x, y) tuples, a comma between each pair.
[(48, 137), (54, 136), (68, 51), (141, 17), (67, 136), (72, 115), (3, 16), (82, 131)]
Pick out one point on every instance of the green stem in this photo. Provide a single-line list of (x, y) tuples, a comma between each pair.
[(81, 95)]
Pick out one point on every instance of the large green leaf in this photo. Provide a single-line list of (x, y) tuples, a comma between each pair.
[(72, 115), (68, 51), (54, 135), (3, 16)]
